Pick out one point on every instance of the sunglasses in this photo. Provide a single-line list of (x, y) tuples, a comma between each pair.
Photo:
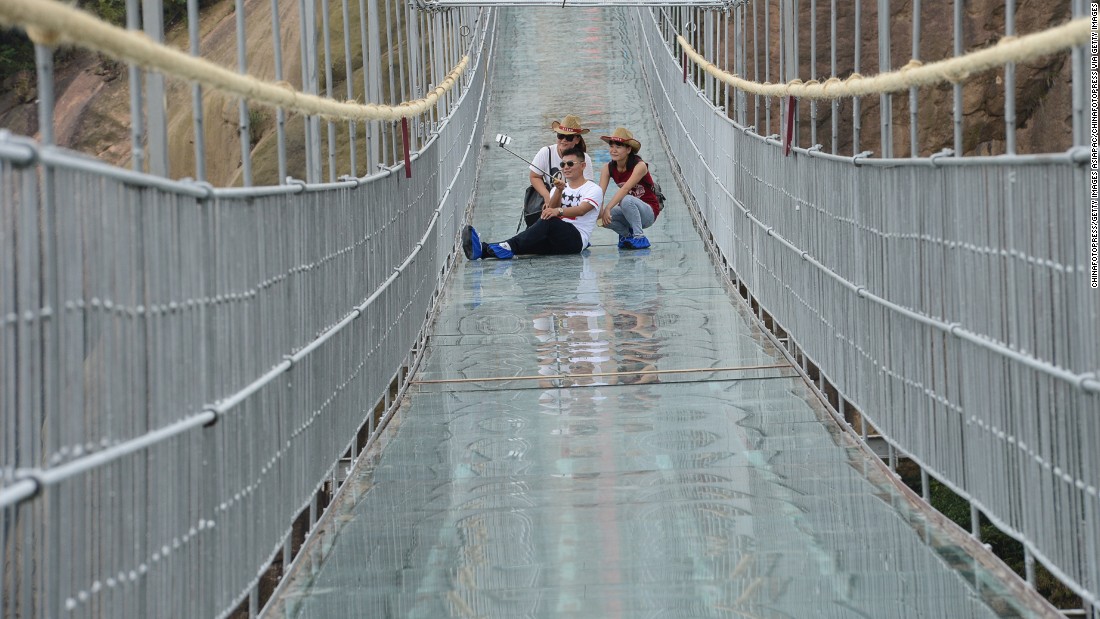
[(569, 164), (562, 136)]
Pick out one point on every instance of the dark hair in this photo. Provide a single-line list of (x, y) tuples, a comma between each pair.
[(580, 145), (576, 152), (631, 160)]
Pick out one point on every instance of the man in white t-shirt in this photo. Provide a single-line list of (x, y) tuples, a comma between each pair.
[(566, 224), (548, 159)]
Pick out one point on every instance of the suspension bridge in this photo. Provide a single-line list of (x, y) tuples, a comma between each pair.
[(293, 397)]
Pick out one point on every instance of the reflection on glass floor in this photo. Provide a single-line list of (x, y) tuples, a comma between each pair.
[(605, 435)]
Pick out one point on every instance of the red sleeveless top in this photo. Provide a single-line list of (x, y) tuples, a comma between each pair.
[(643, 190)]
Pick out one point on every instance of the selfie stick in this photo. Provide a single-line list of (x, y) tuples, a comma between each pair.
[(503, 141)]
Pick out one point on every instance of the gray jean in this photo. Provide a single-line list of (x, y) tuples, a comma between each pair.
[(630, 216)]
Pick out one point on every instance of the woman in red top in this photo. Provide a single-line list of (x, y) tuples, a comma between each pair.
[(635, 206)]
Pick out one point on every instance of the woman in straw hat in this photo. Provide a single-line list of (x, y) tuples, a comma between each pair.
[(548, 159), (635, 206)]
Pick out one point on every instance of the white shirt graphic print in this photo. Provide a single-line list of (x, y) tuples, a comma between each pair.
[(588, 192)]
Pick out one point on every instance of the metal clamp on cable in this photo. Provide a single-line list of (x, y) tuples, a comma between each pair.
[(204, 185), (212, 409), (348, 178), (25, 488), (22, 152), (947, 152), (864, 155), (290, 180), (1080, 154)]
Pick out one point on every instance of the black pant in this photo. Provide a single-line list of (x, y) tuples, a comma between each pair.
[(549, 237)]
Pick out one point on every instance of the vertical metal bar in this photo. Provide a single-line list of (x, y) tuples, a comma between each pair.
[(401, 51), (326, 35), (43, 62), (137, 115), (834, 105), (925, 487), (767, 68), (156, 112), (782, 33), (196, 91), (405, 144), (914, 104), (349, 81), (242, 106), (416, 80), (793, 62), (309, 68), (958, 93), (280, 113), (429, 62), (1080, 88), (373, 83), (724, 37), (438, 64), (813, 70), (367, 152), (51, 349), (975, 522), (1029, 567), (856, 102), (1010, 82), (885, 110), (392, 98), (756, 68), (742, 99), (302, 35), (709, 53)]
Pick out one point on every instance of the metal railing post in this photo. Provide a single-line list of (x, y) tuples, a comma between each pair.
[(137, 114), (198, 131), (280, 113), (156, 110), (244, 130)]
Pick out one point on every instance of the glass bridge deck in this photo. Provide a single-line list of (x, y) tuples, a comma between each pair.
[(686, 472)]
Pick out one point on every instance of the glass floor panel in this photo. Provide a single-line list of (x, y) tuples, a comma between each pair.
[(608, 435)]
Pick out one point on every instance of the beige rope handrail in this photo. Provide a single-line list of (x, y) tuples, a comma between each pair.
[(49, 22), (1008, 49)]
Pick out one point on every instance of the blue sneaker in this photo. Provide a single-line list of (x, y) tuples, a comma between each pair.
[(471, 243), (499, 252), (623, 244), (639, 242)]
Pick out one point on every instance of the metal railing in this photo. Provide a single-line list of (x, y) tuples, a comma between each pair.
[(184, 368), (947, 298)]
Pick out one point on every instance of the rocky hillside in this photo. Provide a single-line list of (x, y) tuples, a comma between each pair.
[(1043, 103), (93, 94)]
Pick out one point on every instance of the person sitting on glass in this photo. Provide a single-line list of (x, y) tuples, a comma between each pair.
[(566, 223), (635, 206), (548, 159)]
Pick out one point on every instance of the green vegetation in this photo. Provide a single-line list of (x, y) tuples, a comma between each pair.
[(16, 53), (1005, 547)]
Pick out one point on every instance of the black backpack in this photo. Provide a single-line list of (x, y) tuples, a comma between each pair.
[(657, 190), (532, 199)]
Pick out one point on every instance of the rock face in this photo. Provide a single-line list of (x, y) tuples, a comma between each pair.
[(93, 95), (1043, 87)]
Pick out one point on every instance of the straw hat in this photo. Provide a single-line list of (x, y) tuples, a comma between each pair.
[(623, 136), (570, 125)]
